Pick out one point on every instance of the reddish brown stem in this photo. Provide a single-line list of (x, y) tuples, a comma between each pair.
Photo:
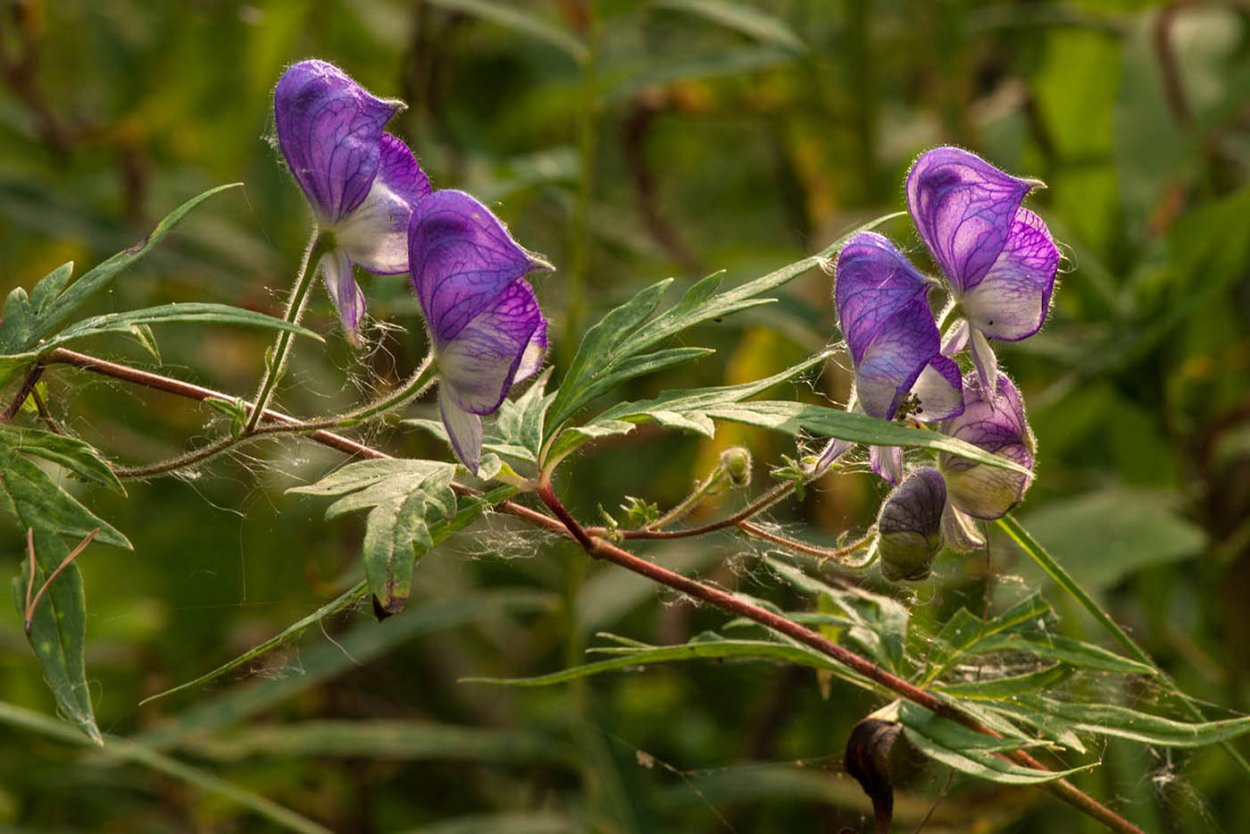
[(565, 524)]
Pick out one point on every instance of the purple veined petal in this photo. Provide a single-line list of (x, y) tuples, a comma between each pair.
[(375, 235), (963, 208), (985, 360), (874, 281), (887, 461), (939, 390), (998, 426), (1012, 299), (336, 269), (833, 450), (535, 352), (960, 531), (461, 258), (956, 338), (892, 362), (479, 366), (329, 129), (464, 430)]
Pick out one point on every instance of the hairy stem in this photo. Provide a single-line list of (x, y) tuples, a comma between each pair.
[(837, 554), (601, 549), (565, 524), (275, 363)]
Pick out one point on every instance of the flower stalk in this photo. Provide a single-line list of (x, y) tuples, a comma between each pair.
[(276, 359)]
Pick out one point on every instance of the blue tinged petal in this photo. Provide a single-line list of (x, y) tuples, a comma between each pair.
[(887, 461), (874, 282), (336, 269), (329, 129), (939, 390), (891, 363), (998, 425), (462, 258), (1011, 301), (375, 234), (464, 430), (535, 352), (964, 209), (479, 365)]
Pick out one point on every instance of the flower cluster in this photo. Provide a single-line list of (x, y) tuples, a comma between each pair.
[(999, 263), (374, 207)]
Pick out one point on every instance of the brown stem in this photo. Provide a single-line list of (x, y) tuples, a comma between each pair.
[(600, 549), (28, 386), (757, 506), (564, 524)]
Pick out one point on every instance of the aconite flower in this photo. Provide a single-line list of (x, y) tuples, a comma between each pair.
[(362, 182), (485, 326), (998, 257)]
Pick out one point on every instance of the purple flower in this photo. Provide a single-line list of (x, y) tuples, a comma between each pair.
[(909, 526), (362, 182), (976, 490), (883, 307), (999, 258), (484, 321)]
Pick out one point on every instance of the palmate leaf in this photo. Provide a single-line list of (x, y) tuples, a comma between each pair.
[(404, 498), (622, 344), (58, 627), (177, 313), (748, 20), (1124, 722), (52, 302)]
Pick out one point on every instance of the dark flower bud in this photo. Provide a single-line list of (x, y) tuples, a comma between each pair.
[(909, 528)]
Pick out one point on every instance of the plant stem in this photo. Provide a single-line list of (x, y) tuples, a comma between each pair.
[(600, 549), (275, 363), (565, 524), (28, 388), (687, 504), (837, 554)]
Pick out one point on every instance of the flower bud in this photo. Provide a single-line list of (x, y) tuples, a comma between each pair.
[(909, 527), (982, 491), (736, 463)]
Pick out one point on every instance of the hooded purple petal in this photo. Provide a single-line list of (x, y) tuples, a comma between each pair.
[(999, 427), (480, 364), (874, 282), (964, 209), (893, 360), (889, 329), (375, 234), (462, 259), (1011, 301), (535, 353), (939, 390), (887, 461), (329, 130)]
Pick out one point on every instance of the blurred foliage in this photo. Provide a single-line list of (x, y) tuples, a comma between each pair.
[(627, 142)]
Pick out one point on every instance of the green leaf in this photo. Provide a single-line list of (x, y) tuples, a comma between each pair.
[(31, 494), (962, 632), (58, 630), (970, 752), (57, 307), (518, 20), (525, 822), (519, 422), (797, 419), (81, 458), (682, 409), (1006, 687), (748, 20), (715, 649), (404, 497), (630, 330), (194, 312), (1113, 720), (1066, 649), (50, 287), (381, 740)]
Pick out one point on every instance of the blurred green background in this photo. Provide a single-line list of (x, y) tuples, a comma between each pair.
[(627, 141)]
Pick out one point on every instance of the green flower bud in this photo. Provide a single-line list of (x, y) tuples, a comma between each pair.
[(736, 463)]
